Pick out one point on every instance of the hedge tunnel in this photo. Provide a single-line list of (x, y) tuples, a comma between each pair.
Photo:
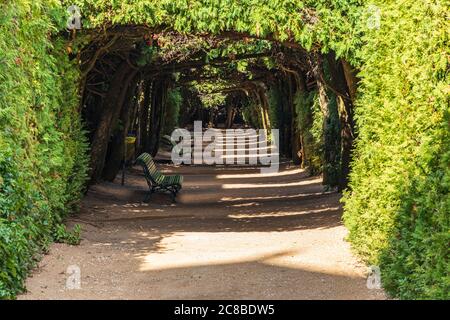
[(359, 90)]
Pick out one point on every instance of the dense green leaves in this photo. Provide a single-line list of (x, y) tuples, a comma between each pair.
[(310, 122), (398, 207), (172, 110), (42, 158)]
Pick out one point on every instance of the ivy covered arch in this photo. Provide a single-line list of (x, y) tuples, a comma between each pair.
[(397, 204), (109, 25)]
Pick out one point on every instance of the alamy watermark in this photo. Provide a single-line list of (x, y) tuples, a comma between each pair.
[(230, 146), (74, 20), (373, 17), (374, 278), (73, 280)]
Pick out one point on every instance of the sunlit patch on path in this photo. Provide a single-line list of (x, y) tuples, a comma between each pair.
[(224, 238)]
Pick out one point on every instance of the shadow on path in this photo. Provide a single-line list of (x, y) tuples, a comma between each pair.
[(232, 235)]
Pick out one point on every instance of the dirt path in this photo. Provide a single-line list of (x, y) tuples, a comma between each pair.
[(232, 235)]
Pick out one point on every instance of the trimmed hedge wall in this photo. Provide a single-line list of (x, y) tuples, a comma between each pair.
[(398, 209), (43, 148)]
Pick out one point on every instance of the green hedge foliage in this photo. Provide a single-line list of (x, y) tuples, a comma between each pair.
[(173, 106), (310, 123), (275, 106), (43, 147), (250, 114), (398, 208)]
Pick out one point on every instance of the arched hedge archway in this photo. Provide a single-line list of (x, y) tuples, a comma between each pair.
[(399, 177)]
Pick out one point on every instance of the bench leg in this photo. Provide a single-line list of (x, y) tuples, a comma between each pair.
[(149, 194), (173, 192), (174, 196)]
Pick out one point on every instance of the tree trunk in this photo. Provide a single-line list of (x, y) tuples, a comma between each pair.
[(264, 103), (303, 90), (159, 93), (110, 109), (345, 109), (117, 144), (298, 152), (351, 79), (230, 115), (288, 115), (330, 176), (144, 109)]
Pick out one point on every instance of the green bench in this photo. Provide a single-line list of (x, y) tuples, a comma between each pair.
[(156, 180)]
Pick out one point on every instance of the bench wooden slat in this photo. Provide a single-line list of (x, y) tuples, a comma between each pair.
[(155, 179)]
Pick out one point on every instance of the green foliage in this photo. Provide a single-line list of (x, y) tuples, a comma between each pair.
[(147, 54), (398, 208), (309, 23), (416, 264), (173, 107), (275, 104), (240, 47), (310, 122), (43, 148), (332, 144), (211, 100), (62, 235), (251, 114)]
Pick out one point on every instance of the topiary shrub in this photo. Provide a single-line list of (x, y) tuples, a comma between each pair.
[(397, 208), (43, 147)]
